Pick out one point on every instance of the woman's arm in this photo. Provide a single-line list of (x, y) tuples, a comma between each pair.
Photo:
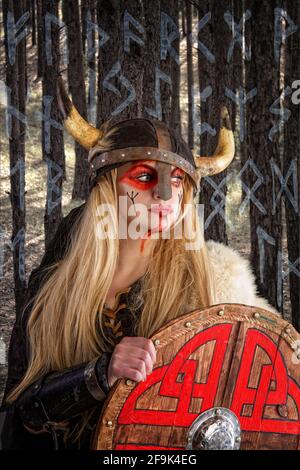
[(59, 396)]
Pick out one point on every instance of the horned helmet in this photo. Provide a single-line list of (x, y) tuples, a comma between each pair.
[(112, 145)]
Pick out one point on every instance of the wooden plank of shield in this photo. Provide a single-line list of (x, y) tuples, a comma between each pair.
[(230, 355)]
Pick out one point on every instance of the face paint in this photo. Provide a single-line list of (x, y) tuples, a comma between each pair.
[(143, 241), (140, 176), (139, 181), (132, 198), (143, 176), (148, 234), (177, 173)]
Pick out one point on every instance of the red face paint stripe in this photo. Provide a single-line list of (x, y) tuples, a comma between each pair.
[(177, 172), (130, 177)]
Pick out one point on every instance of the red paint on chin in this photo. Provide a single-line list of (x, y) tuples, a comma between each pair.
[(145, 238), (160, 220), (148, 234), (130, 178)]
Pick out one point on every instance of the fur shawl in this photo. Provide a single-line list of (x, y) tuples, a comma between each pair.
[(235, 281)]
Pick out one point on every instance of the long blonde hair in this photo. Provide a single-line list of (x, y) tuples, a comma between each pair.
[(65, 324)]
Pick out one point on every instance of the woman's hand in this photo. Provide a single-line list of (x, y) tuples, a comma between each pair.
[(132, 358)]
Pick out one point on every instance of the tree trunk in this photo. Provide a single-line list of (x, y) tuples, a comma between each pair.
[(152, 55), (33, 23), (109, 19), (40, 42), (53, 145), (190, 75), (183, 16), (91, 61), (205, 71), (169, 49), (133, 59), (16, 83), (71, 18), (262, 72), (292, 157), (239, 81), (175, 74), (215, 72), (84, 9)]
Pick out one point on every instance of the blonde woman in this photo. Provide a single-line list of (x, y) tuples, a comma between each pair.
[(117, 269)]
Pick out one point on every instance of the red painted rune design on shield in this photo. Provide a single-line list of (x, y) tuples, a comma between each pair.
[(272, 373)]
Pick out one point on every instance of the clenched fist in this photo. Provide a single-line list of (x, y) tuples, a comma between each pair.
[(133, 358)]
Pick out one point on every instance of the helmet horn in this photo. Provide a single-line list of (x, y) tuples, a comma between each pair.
[(224, 152), (83, 132)]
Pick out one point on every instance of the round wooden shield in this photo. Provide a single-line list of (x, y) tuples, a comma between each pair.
[(242, 358)]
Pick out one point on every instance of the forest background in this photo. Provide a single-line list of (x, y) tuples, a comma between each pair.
[(175, 60)]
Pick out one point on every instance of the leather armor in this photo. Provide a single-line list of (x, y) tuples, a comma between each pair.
[(57, 397)]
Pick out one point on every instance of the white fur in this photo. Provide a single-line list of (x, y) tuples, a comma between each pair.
[(235, 279)]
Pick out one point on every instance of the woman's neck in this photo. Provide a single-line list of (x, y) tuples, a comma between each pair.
[(132, 265), (131, 259)]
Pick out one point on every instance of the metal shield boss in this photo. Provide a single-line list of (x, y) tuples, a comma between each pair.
[(226, 377)]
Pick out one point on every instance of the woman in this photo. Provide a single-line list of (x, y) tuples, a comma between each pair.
[(115, 272)]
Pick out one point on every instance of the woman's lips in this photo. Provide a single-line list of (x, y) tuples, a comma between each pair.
[(161, 209)]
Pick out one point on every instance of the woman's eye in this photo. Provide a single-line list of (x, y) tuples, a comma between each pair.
[(144, 177), (177, 178)]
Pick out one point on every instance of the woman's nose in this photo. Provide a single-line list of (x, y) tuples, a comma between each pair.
[(155, 193), (166, 196), (164, 187)]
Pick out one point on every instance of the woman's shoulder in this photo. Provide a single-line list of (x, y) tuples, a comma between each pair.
[(54, 252), (219, 252), (59, 242), (72, 215), (234, 277)]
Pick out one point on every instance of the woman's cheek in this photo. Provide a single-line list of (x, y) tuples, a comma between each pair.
[(177, 195)]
